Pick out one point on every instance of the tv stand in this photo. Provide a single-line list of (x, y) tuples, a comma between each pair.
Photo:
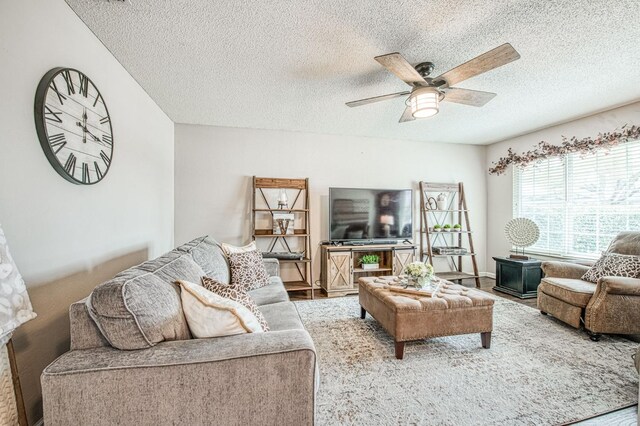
[(340, 265)]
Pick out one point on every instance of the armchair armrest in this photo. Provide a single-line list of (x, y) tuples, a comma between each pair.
[(224, 380), (620, 285), (564, 270), (614, 306)]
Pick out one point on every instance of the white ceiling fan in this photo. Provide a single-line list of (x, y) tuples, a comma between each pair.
[(427, 93)]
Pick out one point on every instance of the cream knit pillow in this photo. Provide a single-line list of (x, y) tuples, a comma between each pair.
[(229, 249), (211, 315)]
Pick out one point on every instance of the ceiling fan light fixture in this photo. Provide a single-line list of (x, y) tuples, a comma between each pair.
[(425, 102)]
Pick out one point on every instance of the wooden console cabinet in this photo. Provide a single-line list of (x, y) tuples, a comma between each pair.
[(340, 265), (517, 277)]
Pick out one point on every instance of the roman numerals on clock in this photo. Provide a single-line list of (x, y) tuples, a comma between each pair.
[(84, 85), (52, 115), (70, 165), (57, 142), (74, 126), (61, 97), (69, 81), (105, 158)]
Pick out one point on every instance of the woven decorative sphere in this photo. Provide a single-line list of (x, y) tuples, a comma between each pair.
[(522, 232)]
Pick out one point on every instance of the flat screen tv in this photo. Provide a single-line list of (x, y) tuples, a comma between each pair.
[(370, 214)]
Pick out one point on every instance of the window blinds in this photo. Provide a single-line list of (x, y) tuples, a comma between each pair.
[(580, 203)]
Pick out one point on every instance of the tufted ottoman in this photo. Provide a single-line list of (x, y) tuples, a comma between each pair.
[(453, 310)]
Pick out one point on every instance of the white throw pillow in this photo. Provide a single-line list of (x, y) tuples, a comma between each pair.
[(211, 315), (229, 249)]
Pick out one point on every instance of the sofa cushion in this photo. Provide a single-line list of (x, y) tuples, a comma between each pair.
[(282, 316), (211, 315), (626, 243), (572, 291), (614, 265), (274, 292), (238, 294), (141, 306), (207, 253), (248, 270)]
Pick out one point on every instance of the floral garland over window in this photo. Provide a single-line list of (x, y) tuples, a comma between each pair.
[(585, 146)]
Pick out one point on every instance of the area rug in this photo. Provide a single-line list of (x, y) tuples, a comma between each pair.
[(537, 372)]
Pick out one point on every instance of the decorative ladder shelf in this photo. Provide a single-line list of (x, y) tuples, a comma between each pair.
[(300, 239), (456, 205)]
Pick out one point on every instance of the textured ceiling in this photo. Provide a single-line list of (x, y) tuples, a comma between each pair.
[(292, 65)]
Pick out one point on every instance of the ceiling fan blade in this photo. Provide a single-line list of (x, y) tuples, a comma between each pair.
[(492, 59), (406, 115), (375, 99), (474, 98), (398, 65)]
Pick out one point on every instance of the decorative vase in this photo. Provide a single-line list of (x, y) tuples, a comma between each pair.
[(419, 282)]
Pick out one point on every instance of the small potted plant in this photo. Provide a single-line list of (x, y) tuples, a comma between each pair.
[(370, 261), (457, 227), (437, 228), (446, 228)]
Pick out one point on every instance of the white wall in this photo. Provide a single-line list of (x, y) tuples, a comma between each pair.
[(51, 224), (214, 165), (57, 229), (500, 188)]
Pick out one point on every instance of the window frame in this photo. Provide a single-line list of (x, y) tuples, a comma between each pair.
[(571, 167)]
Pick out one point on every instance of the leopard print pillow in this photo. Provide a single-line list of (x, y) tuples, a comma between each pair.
[(237, 293), (247, 269), (615, 265)]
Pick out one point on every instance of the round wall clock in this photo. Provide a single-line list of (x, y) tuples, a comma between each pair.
[(73, 126)]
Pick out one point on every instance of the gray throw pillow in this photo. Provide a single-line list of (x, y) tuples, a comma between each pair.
[(247, 269), (141, 307), (614, 265)]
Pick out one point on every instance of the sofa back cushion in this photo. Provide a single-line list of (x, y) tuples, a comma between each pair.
[(626, 243), (208, 254), (141, 306)]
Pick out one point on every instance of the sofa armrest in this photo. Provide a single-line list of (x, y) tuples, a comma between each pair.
[(620, 285), (564, 270), (242, 379), (272, 266)]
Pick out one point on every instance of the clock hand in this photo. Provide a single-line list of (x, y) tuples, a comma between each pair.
[(95, 138), (84, 131), (84, 125)]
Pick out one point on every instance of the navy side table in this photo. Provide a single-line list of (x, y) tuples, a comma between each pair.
[(518, 277)]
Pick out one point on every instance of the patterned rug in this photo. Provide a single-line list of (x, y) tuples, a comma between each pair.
[(537, 372)]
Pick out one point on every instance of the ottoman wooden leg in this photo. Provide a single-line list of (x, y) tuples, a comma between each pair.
[(486, 339), (399, 350), (363, 312)]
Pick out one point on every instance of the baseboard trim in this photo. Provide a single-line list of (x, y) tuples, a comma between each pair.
[(488, 275)]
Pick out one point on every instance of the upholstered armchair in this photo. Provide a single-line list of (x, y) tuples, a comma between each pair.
[(612, 305)]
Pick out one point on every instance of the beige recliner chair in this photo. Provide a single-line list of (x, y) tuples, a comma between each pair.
[(612, 305)]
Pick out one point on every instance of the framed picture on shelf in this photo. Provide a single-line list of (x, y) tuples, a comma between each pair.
[(283, 223)]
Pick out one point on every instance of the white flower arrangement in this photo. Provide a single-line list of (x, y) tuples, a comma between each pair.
[(419, 270)]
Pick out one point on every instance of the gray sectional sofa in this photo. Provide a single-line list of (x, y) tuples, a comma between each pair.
[(160, 376)]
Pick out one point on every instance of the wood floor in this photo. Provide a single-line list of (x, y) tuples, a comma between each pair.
[(626, 416), (486, 284)]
